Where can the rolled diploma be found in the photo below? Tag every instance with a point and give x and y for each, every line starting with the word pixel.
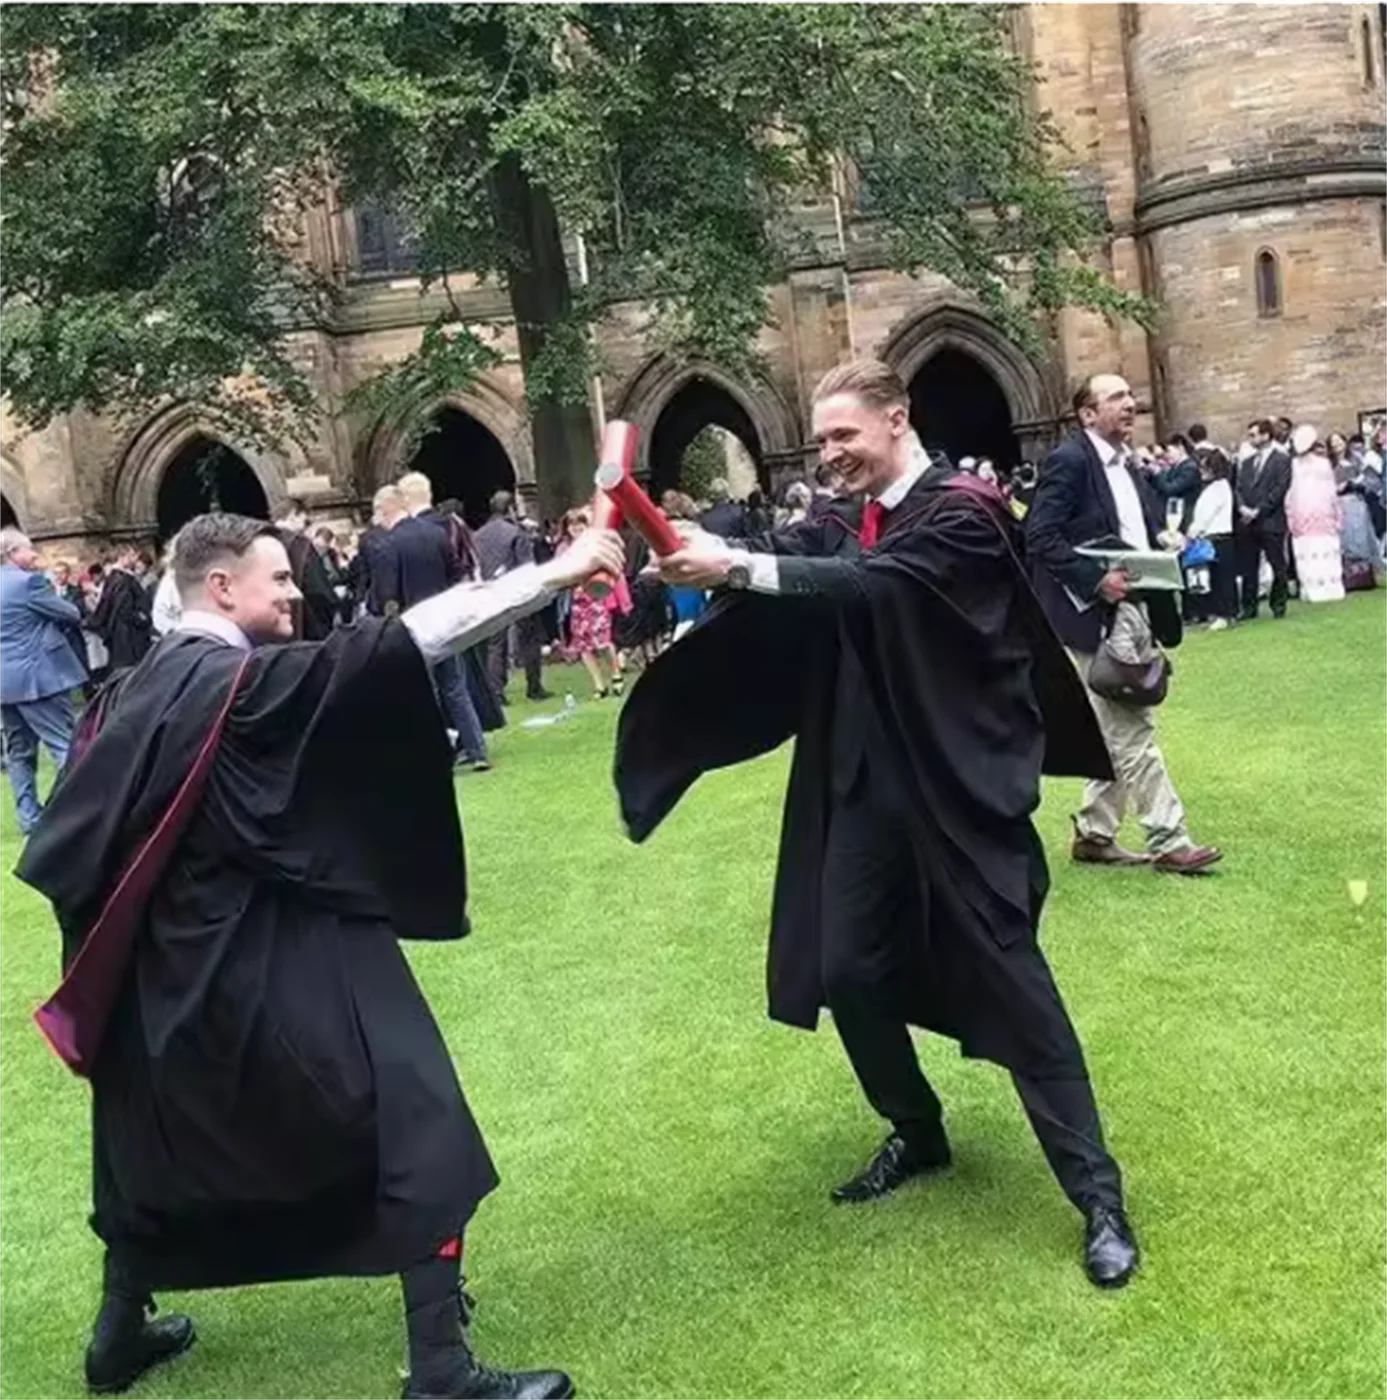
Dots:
pixel 649 520
pixel 619 440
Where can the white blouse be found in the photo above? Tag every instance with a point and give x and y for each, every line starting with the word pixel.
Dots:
pixel 1213 511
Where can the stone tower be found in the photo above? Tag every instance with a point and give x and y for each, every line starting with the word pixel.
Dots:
pixel 1259 216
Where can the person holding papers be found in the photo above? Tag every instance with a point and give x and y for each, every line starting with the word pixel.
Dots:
pixel 1090 498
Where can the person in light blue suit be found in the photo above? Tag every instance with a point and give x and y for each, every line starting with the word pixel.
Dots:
pixel 38 671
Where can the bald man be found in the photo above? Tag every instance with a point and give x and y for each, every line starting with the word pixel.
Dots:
pixel 1089 490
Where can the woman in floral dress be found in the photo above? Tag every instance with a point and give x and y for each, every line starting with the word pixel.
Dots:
pixel 590 620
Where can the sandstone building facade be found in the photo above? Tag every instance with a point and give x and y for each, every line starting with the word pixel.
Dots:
pixel 1236 153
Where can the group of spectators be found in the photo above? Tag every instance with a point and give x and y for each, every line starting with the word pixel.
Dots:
pixel 1287 510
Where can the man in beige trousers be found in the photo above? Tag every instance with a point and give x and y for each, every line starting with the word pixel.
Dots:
pixel 1088 490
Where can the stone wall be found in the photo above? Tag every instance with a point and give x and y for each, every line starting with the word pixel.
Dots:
pixel 1321 360
pixel 1202 134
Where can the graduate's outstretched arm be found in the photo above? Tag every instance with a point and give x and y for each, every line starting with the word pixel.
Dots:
pixel 468 613
pixel 709 562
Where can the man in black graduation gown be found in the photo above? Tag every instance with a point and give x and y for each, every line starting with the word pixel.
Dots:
pixel 121 617
pixel 271 1096
pixel 315 610
pixel 902 647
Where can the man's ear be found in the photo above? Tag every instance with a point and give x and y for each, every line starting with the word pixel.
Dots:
pixel 218 584
pixel 899 417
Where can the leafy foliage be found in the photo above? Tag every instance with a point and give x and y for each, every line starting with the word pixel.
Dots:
pixel 160 162
pixel 704 461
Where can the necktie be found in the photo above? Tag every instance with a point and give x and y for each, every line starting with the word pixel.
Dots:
pixel 873 513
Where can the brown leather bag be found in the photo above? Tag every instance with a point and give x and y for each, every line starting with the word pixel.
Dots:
pixel 1129 668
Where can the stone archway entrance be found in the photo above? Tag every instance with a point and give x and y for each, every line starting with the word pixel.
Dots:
pixel 672 400
pixel 958 407
pixel 177 465
pixel 465 461
pixel 699 404
pixel 974 384
pixel 8 515
pixel 206 475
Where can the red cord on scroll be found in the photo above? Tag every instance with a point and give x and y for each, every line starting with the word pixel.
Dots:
pixel 615 480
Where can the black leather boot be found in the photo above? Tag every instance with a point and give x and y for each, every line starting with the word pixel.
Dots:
pixel 126 1342
pixel 441 1363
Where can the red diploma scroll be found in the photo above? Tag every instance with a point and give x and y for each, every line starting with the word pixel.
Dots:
pixel 614 477
pixel 618 446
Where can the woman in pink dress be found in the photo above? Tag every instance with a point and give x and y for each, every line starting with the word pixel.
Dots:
pixel 1312 510
pixel 590 620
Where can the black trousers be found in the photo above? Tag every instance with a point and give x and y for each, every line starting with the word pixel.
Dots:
pixel 1254 541
pixel 869 873
pixel 1222 598
pixel 529 639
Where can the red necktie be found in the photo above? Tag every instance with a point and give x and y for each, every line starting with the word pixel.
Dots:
pixel 873 513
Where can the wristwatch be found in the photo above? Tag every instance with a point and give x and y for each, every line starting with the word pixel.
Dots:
pixel 739 575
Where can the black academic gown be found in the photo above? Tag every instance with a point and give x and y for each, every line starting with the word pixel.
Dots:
pixel 121 619
pixel 316 612
pixel 968 695
pixel 272 1098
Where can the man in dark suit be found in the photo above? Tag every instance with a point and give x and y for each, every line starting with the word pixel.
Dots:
pixel 1089 490
pixel 504 544
pixel 725 517
pixel 38 671
pixel 422 565
pixel 902 646
pixel 1263 481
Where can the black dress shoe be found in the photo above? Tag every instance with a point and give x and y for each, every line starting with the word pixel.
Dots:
pixel 895 1162
pixel 540 694
pixel 118 1357
pixel 1110 1248
pixel 467 1379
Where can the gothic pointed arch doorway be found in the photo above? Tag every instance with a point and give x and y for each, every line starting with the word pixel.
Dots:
pixel 975 392
pixel 206 475
pixel 697 405
pixel 958 407
pixel 464 461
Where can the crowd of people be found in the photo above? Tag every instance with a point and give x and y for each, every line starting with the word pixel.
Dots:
pixel 1288 511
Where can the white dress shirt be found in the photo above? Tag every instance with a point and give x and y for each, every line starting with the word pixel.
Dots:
pixel 764 569
pixel 1131 519
pixel 209 624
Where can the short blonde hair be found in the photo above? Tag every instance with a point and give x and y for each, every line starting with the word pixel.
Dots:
pixel 417 490
pixel 872 381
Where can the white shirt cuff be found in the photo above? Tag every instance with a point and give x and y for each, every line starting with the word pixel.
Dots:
pixel 764 570
pixel 468 613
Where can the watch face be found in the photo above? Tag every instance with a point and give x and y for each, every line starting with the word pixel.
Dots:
pixel 738 576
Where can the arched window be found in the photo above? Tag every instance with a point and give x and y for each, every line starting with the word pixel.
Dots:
pixel 1369 65
pixel 1267 272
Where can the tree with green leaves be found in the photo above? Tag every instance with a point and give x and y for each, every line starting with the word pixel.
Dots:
pixel 158 161
pixel 704 462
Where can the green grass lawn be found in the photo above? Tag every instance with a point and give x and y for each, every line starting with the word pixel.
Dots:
pixel 663 1227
